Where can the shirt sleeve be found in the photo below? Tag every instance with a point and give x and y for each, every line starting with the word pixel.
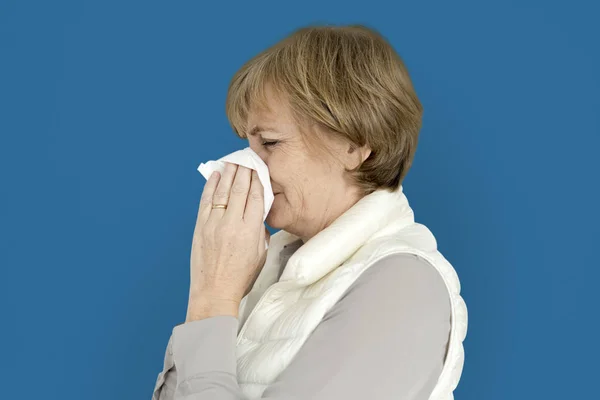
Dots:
pixel 385 338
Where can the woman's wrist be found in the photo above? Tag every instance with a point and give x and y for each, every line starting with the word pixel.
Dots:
pixel 205 306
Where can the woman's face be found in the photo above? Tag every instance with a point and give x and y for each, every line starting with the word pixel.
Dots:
pixel 310 191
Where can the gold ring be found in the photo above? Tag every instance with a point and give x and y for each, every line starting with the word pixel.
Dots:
pixel 224 206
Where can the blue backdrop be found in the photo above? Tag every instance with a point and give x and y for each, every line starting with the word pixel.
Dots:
pixel 108 107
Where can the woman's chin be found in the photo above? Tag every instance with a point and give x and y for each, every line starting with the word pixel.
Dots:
pixel 275 217
pixel 272 220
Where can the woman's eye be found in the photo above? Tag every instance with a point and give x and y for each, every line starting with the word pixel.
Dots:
pixel 273 143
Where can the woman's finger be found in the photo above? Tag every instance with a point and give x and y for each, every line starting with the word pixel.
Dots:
pixel 255 206
pixel 239 193
pixel 207 197
pixel 221 194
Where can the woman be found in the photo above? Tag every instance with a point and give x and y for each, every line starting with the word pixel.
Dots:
pixel 352 299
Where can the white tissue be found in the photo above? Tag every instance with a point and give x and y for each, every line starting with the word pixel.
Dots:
pixel 249 159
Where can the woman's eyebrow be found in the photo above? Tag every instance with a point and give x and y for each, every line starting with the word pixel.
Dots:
pixel 258 129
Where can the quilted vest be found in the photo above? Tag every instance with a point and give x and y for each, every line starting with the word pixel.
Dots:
pixel 284 307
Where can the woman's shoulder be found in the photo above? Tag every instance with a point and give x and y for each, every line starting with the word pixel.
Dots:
pixel 394 282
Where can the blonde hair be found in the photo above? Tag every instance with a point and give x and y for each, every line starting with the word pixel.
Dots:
pixel 347 80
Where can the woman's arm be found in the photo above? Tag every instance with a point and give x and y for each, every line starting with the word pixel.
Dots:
pixel 385 338
pixel 166 382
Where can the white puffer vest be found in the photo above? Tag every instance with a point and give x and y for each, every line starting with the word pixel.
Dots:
pixel 279 313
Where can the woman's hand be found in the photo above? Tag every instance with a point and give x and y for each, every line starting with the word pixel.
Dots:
pixel 228 247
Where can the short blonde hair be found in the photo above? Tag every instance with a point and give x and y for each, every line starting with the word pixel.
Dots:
pixel 349 81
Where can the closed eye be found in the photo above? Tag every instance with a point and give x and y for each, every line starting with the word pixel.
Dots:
pixel 272 143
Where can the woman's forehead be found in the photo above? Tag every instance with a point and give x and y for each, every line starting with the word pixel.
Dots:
pixel 275 120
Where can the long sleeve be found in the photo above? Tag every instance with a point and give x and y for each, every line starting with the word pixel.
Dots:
pixel 385 338
pixel 166 382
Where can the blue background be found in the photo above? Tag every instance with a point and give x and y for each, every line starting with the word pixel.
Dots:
pixel 108 107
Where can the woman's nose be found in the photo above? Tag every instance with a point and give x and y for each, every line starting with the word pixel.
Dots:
pixel 261 153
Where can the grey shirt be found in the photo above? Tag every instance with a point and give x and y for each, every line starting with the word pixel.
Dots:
pixel 386 338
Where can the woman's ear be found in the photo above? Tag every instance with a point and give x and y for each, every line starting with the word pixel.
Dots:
pixel 360 154
pixel 366 152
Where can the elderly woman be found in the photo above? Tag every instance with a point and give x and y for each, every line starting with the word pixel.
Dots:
pixel 351 300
